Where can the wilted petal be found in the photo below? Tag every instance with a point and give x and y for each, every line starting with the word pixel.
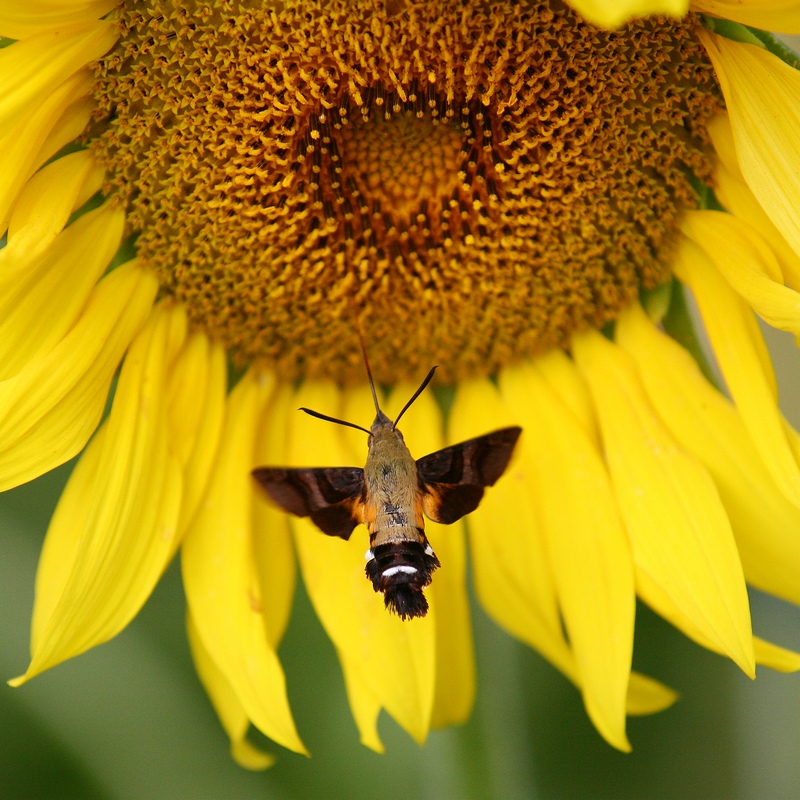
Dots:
pixel 683 548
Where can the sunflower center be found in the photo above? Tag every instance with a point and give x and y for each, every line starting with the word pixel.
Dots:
pixel 474 182
pixel 400 164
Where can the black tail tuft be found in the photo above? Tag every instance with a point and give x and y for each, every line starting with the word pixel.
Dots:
pixel 400 571
pixel 406 601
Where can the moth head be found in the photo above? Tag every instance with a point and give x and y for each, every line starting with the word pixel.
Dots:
pixel 383 427
pixel 380 426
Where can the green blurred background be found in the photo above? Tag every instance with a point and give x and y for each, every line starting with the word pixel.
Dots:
pixel 130 720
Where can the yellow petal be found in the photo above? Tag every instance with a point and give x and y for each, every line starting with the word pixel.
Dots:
pixel 19 20
pixel 721 133
pixel 423 430
pixel 648 696
pixel 558 369
pixel 735 195
pixel 230 711
pixel 747 262
pixel 510 562
pixel 37 135
pixel 364 704
pixel 391 660
pixel 683 547
pixel 113 531
pixel 614 13
pixel 766 525
pixel 781 16
pixel 39 306
pixel 70 124
pixel 60 549
pixel 588 548
pixel 50 409
pixel 334 577
pixel 44 206
pixel 776 657
pixel 32 68
pixel 272 538
pixel 220 575
pixel 196 409
pixel 761 94
pixel 744 361
pixel 455 660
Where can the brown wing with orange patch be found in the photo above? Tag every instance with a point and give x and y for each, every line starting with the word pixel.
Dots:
pixel 452 480
pixel 333 497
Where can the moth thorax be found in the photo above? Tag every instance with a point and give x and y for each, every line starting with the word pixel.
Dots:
pixel 400 571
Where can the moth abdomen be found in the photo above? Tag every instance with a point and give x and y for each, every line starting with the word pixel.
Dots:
pixel 400 570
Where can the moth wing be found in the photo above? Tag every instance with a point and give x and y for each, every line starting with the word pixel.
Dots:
pixel 453 479
pixel 332 497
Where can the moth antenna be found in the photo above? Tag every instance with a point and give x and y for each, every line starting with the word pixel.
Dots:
pixel 333 419
pixel 415 395
pixel 366 360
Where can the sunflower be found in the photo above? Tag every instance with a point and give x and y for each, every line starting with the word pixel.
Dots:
pixel 204 200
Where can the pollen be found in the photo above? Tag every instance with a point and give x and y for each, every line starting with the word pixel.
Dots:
pixel 473 183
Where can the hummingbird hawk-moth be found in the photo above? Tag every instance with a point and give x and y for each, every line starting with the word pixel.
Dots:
pixel 390 496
